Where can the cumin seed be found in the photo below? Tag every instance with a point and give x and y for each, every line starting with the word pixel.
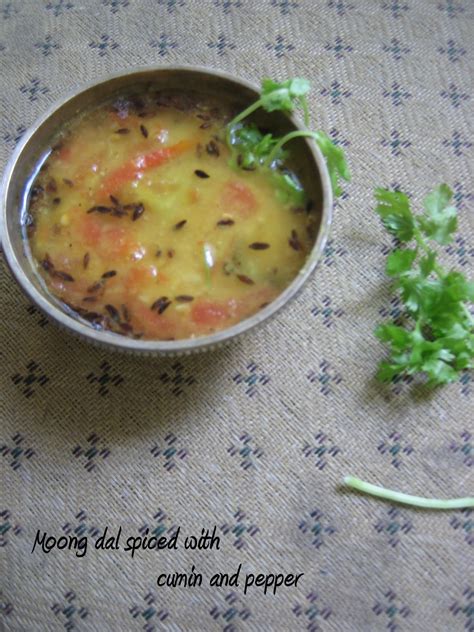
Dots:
pixel 245 279
pixel 113 312
pixel 184 298
pixel 85 260
pixel 64 276
pixel 99 209
pixel 180 224
pixel 51 187
pixel 294 241
pixel 138 212
pixel 212 148
pixel 95 287
pixel 94 317
pixel 122 130
pixel 144 131
pixel 109 274
pixel 161 304
pixel 125 313
pixel 47 264
pixel 201 174
pixel 259 245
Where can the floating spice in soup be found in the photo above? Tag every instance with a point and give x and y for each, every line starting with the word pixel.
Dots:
pixel 140 225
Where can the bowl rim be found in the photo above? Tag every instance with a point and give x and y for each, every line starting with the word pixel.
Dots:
pixel 184 345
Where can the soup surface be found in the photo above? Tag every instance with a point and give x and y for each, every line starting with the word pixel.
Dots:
pixel 138 223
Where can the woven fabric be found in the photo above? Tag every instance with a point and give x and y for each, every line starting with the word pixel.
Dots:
pixel 255 438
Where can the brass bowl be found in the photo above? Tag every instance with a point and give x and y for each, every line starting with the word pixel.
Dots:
pixel 307 160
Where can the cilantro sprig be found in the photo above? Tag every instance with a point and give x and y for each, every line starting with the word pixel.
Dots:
pixel 437 337
pixel 251 149
pixel 282 96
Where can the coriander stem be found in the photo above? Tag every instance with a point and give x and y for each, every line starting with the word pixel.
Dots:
pixel 407 499
pixel 421 241
pixel 251 108
pixel 297 134
pixel 304 105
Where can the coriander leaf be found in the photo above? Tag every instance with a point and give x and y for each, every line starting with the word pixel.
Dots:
pixel 414 289
pixel 439 220
pixel 283 96
pixel 388 371
pixel 458 287
pixel 289 189
pixel 335 161
pixel 299 87
pixel 398 337
pixel 460 342
pixel 250 147
pixel 400 261
pixel 439 371
pixel 444 304
pixel 427 264
pixel 394 210
pixel 439 342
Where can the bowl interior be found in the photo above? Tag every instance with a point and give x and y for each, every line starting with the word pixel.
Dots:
pixel 306 161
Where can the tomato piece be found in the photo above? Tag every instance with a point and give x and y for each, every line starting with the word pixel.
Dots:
pixel 237 197
pixel 91 230
pixel 64 153
pixel 130 170
pixel 117 242
pixel 152 324
pixel 139 277
pixel 210 313
pixel 193 195
pixel 111 240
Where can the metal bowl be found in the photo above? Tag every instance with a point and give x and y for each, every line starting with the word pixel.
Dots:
pixel 307 161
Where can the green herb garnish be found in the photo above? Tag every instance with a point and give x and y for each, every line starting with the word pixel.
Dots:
pixel 251 149
pixel 334 155
pixel 282 96
pixel 438 337
pixel 407 499
pixel 253 146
